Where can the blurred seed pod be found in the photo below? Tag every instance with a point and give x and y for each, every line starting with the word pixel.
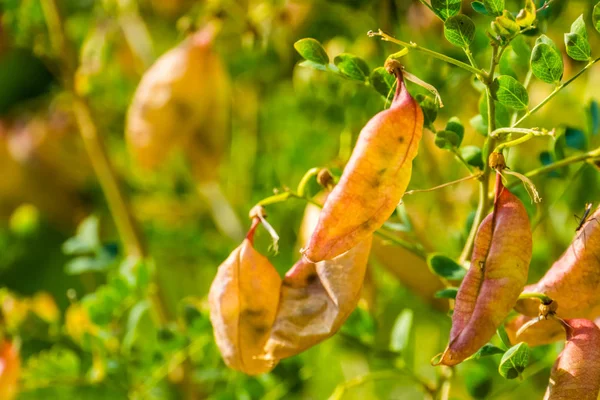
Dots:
pixel 182 102
pixel 10 370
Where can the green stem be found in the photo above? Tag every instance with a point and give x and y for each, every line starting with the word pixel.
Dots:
pixel 341 389
pixel 414 248
pixel 305 179
pixel 462 160
pixel 590 155
pixel 470 57
pixel 434 54
pixel 484 201
pixel 554 92
pixel 524 131
pixel 512 143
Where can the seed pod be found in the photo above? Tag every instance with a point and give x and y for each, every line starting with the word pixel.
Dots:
pixel 573 280
pixel 182 101
pixel 243 300
pixel 374 179
pixel 10 370
pixel 576 372
pixel 498 272
pixel 316 299
pixel 542 332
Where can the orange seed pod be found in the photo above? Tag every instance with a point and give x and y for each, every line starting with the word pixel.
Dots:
pixel 498 273
pixel 374 179
pixel 316 299
pixel 576 372
pixel 243 300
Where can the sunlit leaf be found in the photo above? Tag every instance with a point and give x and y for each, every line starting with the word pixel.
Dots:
pixel 459 30
pixel 352 66
pixel 546 61
pixel 445 8
pixel 514 361
pixel 311 50
pixel 511 93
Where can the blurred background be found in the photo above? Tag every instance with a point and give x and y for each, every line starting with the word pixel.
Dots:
pixel 190 188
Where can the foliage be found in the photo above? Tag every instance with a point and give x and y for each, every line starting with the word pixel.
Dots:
pixel 106 266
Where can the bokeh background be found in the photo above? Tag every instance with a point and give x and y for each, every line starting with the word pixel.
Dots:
pixel 284 119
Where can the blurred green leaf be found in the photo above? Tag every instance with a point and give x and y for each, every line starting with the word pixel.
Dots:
pixel 578 47
pixel 310 49
pixel 383 82
pixel 479 7
pixel 596 16
pixel 472 155
pixel 57 364
pixel 313 65
pixel 487 350
pixel 494 7
pixel 478 382
pixel 454 125
pixel 594 117
pixel 546 60
pixel 459 30
pixel 448 293
pixel 86 239
pixel 447 140
pixel 514 361
pixel 445 267
pixel 501 332
pixel 446 8
pixel 511 93
pixel 430 108
pixel 400 336
pixel 352 66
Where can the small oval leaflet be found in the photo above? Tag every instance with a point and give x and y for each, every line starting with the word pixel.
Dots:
pixel 310 49
pixel 445 267
pixel 514 361
pixel 459 30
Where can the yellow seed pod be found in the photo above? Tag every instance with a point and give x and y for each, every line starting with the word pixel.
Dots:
pixel 182 102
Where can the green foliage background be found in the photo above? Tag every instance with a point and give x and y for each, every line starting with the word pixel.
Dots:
pixel 285 120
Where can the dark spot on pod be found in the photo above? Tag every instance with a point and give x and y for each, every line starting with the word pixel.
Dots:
pixel 250 313
pixel 311 278
pixel 260 330
pixel 401 139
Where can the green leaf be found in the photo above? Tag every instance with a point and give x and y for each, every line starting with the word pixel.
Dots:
pixel 578 47
pixel 596 16
pixel 546 61
pixel 511 93
pixel 313 65
pixel 447 140
pixel 494 7
pixel 86 239
pixel 400 336
pixel 487 350
pixel 448 293
pixel 383 82
pixel 479 7
pixel 55 364
pixel 352 66
pixel 454 125
pixel 140 330
pixel 445 267
pixel 514 361
pixel 445 8
pixel 472 155
pixel 429 107
pixel 459 30
pixel 501 332
pixel 311 50
pixel 594 116
pixel 478 382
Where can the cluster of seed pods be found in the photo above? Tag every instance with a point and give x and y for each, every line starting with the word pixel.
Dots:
pixel 258 318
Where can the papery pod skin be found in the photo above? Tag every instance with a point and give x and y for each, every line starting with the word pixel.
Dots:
pixel 10 370
pixel 243 301
pixel 316 299
pixel 576 372
pixel 498 273
pixel 573 281
pixel 374 179
pixel 182 101
pixel 542 332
